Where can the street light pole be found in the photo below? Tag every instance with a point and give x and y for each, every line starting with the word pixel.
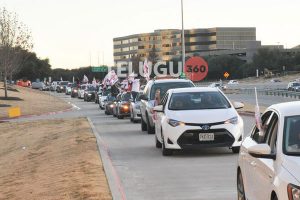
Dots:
pixel 182 37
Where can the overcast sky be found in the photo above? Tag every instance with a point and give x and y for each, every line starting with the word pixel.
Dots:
pixel 68 31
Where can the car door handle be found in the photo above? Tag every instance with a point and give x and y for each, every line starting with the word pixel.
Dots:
pixel 253 163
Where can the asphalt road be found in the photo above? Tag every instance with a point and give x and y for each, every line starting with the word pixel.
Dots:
pixel 144 173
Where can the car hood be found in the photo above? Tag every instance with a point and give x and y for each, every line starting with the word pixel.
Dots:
pixel 203 116
pixel 292 165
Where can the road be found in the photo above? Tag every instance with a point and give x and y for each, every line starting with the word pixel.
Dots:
pixel 208 174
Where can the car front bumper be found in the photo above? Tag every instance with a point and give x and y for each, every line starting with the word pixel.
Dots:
pixel 188 137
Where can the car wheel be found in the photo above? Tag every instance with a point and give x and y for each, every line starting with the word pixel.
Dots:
pixel 157 143
pixel 240 187
pixel 235 149
pixel 143 125
pixel 165 151
pixel 150 130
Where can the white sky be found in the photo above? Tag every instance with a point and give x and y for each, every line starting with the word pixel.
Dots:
pixel 69 31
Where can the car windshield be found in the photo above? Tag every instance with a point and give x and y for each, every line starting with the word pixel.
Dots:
pixel 91 88
pixel 106 92
pixel 291 144
pixel 111 98
pixel 64 83
pixel 164 87
pixel 296 84
pixel 198 101
pixel 126 96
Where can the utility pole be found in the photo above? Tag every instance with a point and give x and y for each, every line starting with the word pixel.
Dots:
pixel 182 37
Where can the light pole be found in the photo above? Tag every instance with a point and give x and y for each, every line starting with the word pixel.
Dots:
pixel 182 37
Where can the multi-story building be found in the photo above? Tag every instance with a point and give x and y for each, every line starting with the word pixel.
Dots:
pixel 167 43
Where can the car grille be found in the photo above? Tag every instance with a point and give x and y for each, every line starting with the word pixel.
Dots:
pixel 190 139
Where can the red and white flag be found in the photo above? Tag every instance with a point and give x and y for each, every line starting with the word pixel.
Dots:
pixel 146 70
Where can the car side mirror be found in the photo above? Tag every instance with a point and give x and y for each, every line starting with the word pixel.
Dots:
pixel 238 105
pixel 159 108
pixel 261 151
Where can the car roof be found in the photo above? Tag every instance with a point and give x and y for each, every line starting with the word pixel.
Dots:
pixel 287 108
pixel 194 89
pixel 170 80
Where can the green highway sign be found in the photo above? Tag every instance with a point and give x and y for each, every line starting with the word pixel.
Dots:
pixel 99 69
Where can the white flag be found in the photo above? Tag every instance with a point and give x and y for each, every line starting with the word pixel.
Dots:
pixel 85 79
pixel 257 114
pixel 146 70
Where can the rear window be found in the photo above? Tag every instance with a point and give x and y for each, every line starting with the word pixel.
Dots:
pixel 126 97
pixel 198 101
pixel 164 87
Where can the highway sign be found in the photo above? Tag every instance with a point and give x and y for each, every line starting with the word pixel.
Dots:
pixel 196 68
pixel 99 69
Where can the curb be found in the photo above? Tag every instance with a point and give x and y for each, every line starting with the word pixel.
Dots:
pixel 113 178
pixel 4 119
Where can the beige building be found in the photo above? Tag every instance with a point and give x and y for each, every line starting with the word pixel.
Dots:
pixel 167 43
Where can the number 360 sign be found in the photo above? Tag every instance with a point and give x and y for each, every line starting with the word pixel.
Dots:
pixel 196 68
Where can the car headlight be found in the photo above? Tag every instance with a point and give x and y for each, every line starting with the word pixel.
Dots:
pixel 125 107
pixel 175 123
pixel 233 120
pixel 293 192
pixel 111 105
pixel 89 94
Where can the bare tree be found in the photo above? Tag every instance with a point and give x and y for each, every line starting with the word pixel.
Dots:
pixel 15 39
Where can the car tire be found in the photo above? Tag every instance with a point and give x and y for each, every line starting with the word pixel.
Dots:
pixel 235 149
pixel 157 143
pixel 240 186
pixel 143 125
pixel 165 151
pixel 150 130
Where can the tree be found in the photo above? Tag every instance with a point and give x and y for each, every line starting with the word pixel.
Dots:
pixel 15 38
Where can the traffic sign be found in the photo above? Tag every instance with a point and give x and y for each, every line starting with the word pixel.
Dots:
pixel 196 68
pixel 99 69
pixel 226 75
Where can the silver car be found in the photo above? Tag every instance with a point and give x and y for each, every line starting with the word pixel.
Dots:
pixel 135 111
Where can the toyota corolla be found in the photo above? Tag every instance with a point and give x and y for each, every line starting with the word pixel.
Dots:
pixel 197 118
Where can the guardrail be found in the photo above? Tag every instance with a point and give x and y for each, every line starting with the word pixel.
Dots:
pixel 270 92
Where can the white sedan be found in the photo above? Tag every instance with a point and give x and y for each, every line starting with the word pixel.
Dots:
pixel 197 118
pixel 269 159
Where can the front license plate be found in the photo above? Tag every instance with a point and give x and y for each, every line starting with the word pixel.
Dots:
pixel 206 136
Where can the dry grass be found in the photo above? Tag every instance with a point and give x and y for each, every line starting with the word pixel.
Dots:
pixel 53 159
pixel 32 102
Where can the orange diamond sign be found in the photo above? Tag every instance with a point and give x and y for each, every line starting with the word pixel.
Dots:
pixel 226 74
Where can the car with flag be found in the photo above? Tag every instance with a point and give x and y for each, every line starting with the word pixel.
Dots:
pixel 89 93
pixel 121 109
pixel 269 159
pixel 135 111
pixel 153 92
pixel 81 90
pixel 197 117
pixel 110 104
